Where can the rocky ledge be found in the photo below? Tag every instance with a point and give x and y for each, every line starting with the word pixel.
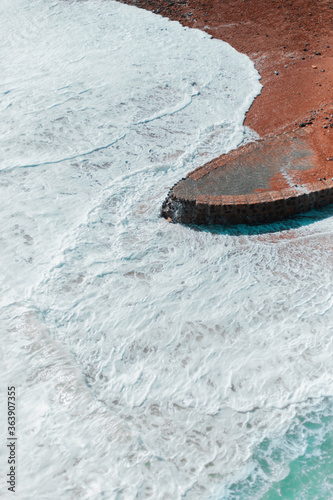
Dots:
pixel 272 179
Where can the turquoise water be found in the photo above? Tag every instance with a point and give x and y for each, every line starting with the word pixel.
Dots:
pixel 298 465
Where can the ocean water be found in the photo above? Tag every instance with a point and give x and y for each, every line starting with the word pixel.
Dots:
pixel 150 360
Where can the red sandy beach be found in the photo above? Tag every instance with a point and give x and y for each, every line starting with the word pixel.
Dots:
pixel 288 37
pixel 290 44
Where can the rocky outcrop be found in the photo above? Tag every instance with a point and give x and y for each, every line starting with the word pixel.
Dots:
pixel 268 180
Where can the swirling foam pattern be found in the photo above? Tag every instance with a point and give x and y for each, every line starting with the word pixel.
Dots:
pixel 150 360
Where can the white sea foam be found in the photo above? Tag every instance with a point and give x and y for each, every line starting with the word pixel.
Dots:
pixel 150 359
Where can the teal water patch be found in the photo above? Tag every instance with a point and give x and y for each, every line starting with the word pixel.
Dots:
pixel 298 465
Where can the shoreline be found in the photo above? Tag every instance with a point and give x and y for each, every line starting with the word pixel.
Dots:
pixel 288 39
pixel 290 46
